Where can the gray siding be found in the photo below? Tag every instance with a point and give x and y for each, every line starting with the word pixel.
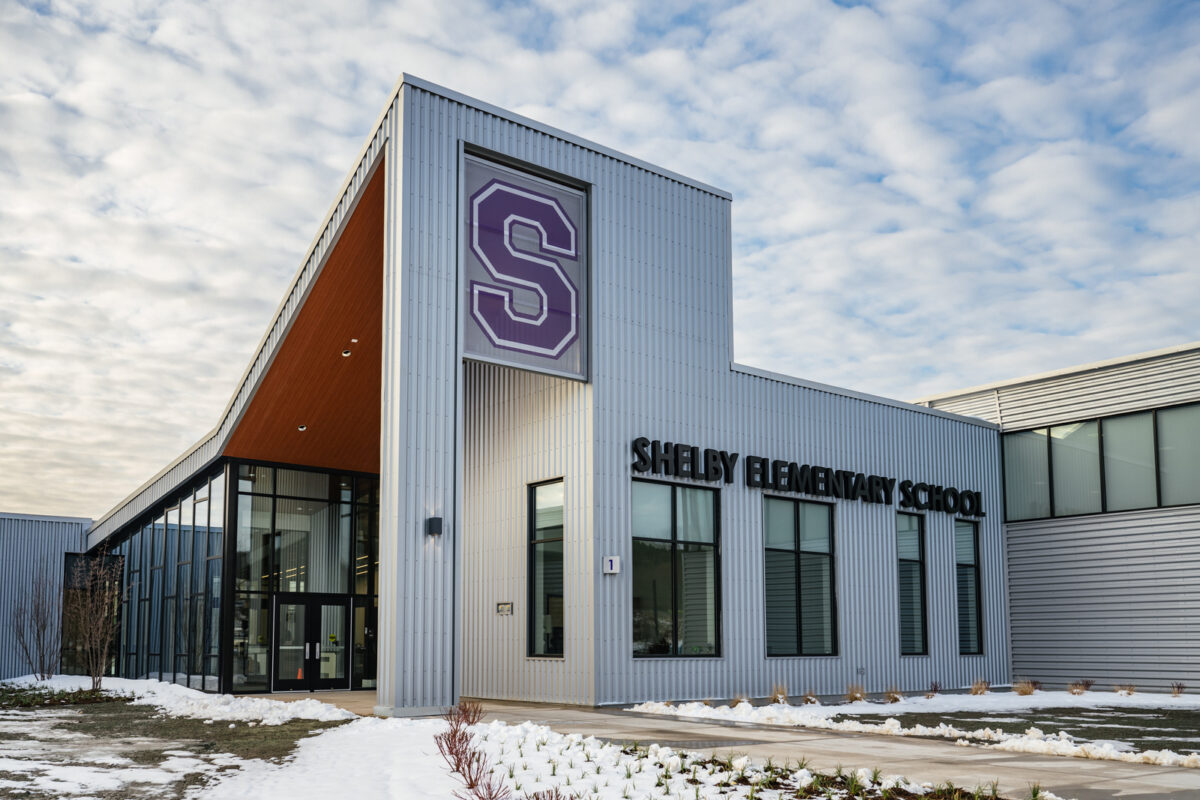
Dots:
pixel 662 347
pixel 25 541
pixel 1084 393
pixel 1112 598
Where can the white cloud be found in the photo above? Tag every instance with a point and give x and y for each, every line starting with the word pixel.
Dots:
pixel 943 193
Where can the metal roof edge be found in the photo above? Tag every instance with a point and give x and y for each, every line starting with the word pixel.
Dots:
pixel 1095 366
pixel 45 518
pixel 458 97
pixel 870 398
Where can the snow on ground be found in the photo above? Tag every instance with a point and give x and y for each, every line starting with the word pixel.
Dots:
pixel 367 759
pixel 179 701
pixel 1033 740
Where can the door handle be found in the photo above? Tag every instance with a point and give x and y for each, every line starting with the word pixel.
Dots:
pixel 306 650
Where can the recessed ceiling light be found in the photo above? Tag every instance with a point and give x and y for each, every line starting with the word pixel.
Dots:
pixel 301 428
pixel 345 354
pixel 354 341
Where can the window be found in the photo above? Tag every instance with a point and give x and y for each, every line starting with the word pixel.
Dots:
pixel 1179 454
pixel 675 588
pixel 799 578
pixel 910 550
pixel 1129 480
pixel 1026 475
pixel 970 613
pixel 546 569
pixel 1075 460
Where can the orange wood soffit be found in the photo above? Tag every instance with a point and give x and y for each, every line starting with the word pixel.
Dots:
pixel 310 382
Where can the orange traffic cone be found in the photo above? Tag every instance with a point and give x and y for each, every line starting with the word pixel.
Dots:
pixel 300 674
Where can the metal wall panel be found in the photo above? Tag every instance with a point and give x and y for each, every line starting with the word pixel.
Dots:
pixel 209 448
pixel 26 540
pixel 1084 393
pixel 1112 598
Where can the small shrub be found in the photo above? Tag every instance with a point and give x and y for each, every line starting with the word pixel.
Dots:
pixel 980 687
pixel 1035 791
pixel 934 688
pixel 1125 689
pixel 739 699
pixel 855 692
pixel 779 693
pixel 1079 687
pixel 810 698
pixel 1178 688
pixel 894 695
pixel 1024 688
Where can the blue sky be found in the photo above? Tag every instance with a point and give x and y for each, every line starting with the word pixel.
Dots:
pixel 928 195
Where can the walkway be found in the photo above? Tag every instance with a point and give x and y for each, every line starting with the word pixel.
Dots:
pixel 923 760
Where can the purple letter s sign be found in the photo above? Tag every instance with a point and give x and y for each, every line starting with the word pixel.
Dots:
pixel 526 270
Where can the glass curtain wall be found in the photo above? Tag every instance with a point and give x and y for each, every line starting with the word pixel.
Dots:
pixel 302 532
pixel 170 617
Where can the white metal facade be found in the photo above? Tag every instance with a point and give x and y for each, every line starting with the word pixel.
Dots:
pixel 463 442
pixel 1109 597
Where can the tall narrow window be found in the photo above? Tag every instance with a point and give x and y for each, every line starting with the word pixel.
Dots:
pixel 910 550
pixel 800 603
pixel 966 556
pixel 1179 454
pixel 546 569
pixel 1075 461
pixel 1026 475
pixel 1129 480
pixel 675 541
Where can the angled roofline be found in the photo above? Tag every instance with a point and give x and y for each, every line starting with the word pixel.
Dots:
pixel 1095 366
pixel 210 446
pixel 870 398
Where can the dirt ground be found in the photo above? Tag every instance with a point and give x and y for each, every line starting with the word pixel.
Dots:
pixel 122 751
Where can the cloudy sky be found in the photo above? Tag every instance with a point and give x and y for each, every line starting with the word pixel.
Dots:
pixel 928 195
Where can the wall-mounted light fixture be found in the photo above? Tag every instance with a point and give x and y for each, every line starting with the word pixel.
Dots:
pixel 302 428
pixel 345 354
pixel 433 526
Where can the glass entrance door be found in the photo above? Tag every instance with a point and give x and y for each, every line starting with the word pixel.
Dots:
pixel 311 642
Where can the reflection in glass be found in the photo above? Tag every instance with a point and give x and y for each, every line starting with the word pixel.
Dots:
pixel 910 549
pixel 251 642
pixel 332 643
pixel 313 545
pixel 651 510
pixel 546 621
pixel 291 634
pixel 966 549
pixel 1129 462
pixel 696 598
pixel 781 620
pixel 254 544
pixel 1179 454
pixel 1026 475
pixel 653 615
pixel 1075 454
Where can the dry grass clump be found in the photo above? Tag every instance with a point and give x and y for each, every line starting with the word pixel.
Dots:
pixel 894 695
pixel 934 688
pixel 855 692
pixel 810 698
pixel 1079 687
pixel 1178 688
pixel 706 702
pixel 1124 689
pixel 779 693
pixel 1025 687
pixel 738 699
pixel 980 687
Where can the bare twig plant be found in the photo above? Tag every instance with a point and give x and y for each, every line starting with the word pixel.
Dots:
pixel 894 695
pixel 1178 688
pixel 36 620
pixel 1079 687
pixel 1125 689
pixel 472 765
pixel 91 606
pixel 934 688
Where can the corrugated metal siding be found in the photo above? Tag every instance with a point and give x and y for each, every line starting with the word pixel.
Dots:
pixel 24 541
pixel 1116 389
pixel 209 448
pixel 1113 598
pixel 752 415
pixel 523 428
pixel 662 333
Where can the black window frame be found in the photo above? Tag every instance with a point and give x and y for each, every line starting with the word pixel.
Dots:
pixel 835 637
pixel 1100 420
pixel 978 588
pixel 718 634
pixel 532 543
pixel 923 565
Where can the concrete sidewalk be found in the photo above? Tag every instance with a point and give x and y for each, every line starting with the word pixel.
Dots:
pixel 922 760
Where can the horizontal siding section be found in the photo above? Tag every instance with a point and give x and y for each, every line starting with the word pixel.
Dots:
pixel 209 448
pixel 25 542
pixel 1111 598
pixel 1116 389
